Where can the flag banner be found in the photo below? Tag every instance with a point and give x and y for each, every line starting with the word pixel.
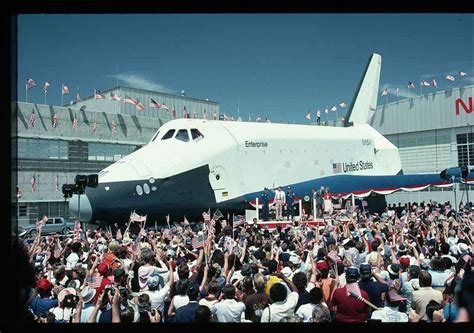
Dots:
pixel 140 106
pixel 334 108
pixel 334 257
pixel 174 113
pixel 268 120
pixel 167 234
pixel 239 119
pixel 259 119
pixel 336 167
pixel 434 84
pixel 398 92
pixel 204 115
pixel 32 119
pixel 214 116
pixel 168 220
pixel 56 183
pixel 46 86
pixel 326 110
pixel 411 85
pixel 462 74
pixel 57 252
pixel 94 126
pixel 118 235
pixel 425 83
pixel 154 104
pixel 195 115
pixel 186 222
pixel 385 92
pixel 78 97
pixel 308 115
pixel 239 220
pixel 134 217
pixel 33 183
pixel 232 118
pixel 114 97
pixel 30 84
pixel 206 217
pixel 99 95
pixel 55 120
pixel 130 100
pixel 449 77
pixel 165 107
pixel 343 104
pixel 77 225
pixel 65 90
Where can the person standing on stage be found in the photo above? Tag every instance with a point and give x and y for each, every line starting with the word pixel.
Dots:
pixel 265 200
pixel 279 202
pixel 290 209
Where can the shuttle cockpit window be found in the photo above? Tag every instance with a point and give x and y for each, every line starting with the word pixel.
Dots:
pixel 182 135
pixel 168 135
pixel 156 135
pixel 196 135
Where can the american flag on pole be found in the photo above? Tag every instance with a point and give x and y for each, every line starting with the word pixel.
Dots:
pixel 185 113
pixel 174 112
pixel 334 108
pixel 334 257
pixel 99 95
pixel 434 84
pixel 118 235
pixel 75 123
pixel 195 115
pixel 462 73
pixel 30 84
pixel 55 121
pixel 411 85
pixel 94 125
pixel 450 77
pixel 268 120
pixel 94 281
pixel 114 97
pixel 326 110
pixel 33 183
pixel 398 92
pixel 56 183
pixel 78 97
pixel 46 86
pixel 239 220
pixel 232 118
pixel 425 83
pixel 165 107
pixel 214 116
pixel 308 115
pixel 336 168
pixel 32 119
pixel 114 127
pixel 259 119
pixel 206 217
pixel 130 100
pixel 154 104
pixel 167 234
pixel 186 222
pixel 239 119
pixel 140 106
pixel 343 104
pixel 217 215
pixel 204 114
pixel 65 90
pixel 42 222
pixel 385 92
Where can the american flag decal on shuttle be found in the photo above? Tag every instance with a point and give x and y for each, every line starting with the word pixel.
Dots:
pixel 336 168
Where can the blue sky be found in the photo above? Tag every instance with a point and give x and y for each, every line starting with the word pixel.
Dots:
pixel 269 65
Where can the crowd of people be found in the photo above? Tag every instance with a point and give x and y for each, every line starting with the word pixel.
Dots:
pixel 406 265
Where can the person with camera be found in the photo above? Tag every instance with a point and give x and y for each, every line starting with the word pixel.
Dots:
pixel 66 309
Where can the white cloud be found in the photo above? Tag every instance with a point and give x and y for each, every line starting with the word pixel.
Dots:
pixel 134 80
pixel 404 92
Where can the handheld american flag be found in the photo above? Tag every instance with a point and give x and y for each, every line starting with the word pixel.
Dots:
pixel 239 220
pixel 206 217
pixel 198 242
pixel 94 281
pixel 217 215
pixel 134 217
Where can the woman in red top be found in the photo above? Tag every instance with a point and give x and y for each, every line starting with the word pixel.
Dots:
pixel 348 308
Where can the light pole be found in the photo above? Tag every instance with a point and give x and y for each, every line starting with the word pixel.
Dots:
pixel 18 196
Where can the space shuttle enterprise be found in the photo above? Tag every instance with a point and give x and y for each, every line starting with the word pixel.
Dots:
pixel 190 165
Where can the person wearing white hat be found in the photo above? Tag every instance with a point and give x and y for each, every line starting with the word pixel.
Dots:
pixel 87 294
pixel 63 313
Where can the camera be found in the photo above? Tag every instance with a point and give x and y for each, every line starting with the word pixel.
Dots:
pixel 110 290
pixel 70 300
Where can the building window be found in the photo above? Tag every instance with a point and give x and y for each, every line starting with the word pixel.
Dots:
pixel 465 145
pixel 108 152
pixel 42 149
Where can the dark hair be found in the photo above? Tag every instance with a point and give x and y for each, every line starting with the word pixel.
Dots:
pixel 272 266
pixel 213 288
pixel 300 280
pixel 431 307
pixel 437 264
pixel 425 279
pixel 465 294
pixel 182 286
pixel 278 292
pixel 316 295
pixel 202 314
pixel 193 293
pixel 127 315
pixel 183 270
pixel 444 248
pixel 229 291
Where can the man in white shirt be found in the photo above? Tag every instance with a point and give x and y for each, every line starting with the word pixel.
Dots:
pixel 228 310
pixel 279 202
pixel 157 297
pixel 391 313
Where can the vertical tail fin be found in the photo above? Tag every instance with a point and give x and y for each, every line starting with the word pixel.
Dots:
pixel 367 93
